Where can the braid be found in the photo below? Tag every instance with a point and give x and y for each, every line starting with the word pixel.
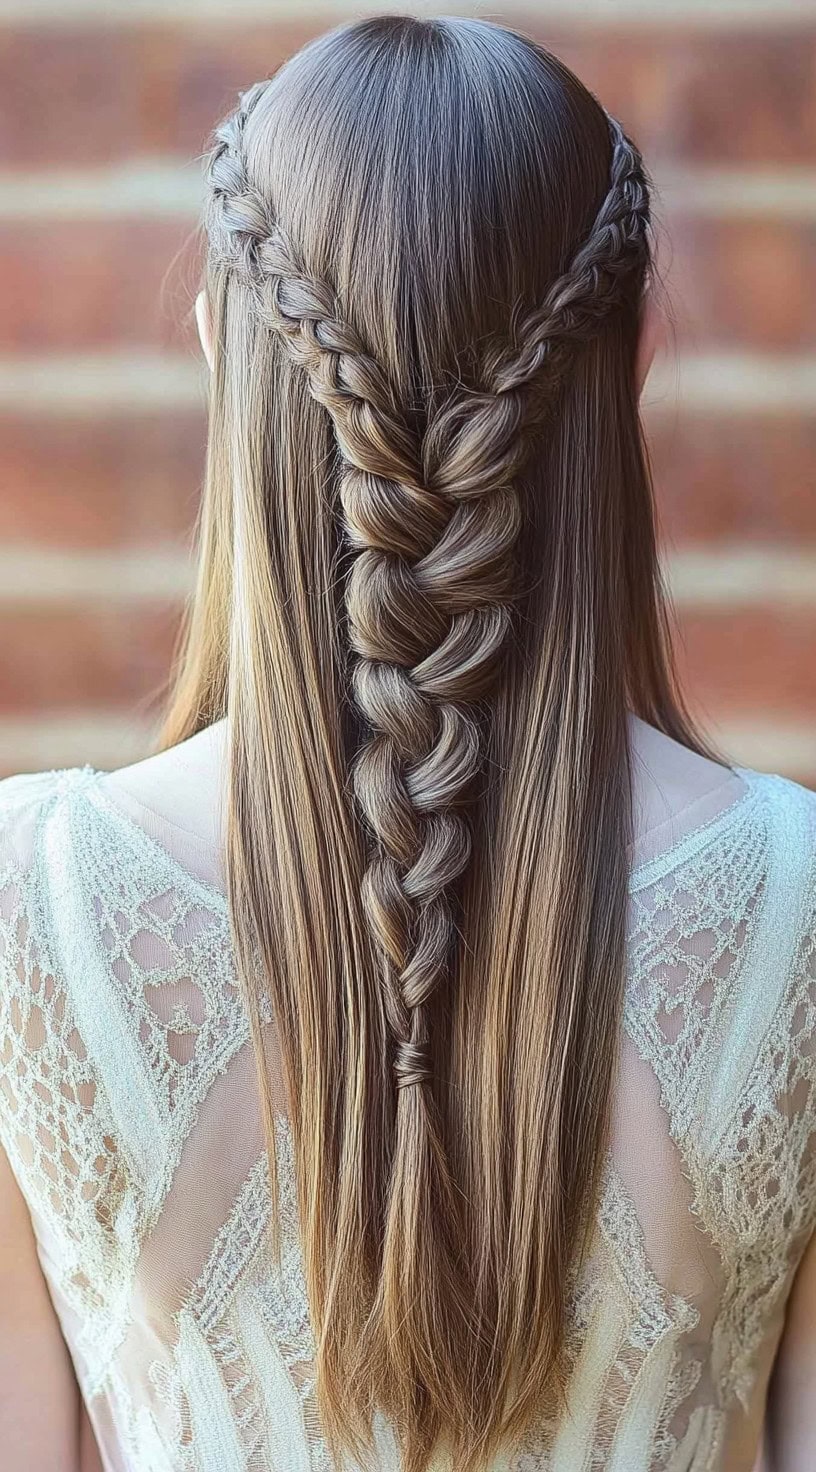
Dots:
pixel 433 519
pixel 589 289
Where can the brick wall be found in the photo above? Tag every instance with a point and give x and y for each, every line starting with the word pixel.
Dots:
pixel 105 107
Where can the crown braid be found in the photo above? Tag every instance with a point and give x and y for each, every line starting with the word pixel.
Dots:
pixel 433 518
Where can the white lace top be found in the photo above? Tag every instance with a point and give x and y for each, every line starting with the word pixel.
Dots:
pixel 129 1113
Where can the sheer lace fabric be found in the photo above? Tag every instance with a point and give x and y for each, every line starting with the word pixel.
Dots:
pixel 129 1112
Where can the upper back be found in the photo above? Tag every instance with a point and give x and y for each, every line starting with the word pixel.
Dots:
pixel 129 1112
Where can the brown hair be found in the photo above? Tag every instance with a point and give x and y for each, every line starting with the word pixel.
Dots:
pixel 428 561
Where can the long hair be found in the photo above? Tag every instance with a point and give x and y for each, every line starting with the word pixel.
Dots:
pixel 428 600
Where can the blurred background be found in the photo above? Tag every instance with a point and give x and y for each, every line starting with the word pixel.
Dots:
pixel 105 107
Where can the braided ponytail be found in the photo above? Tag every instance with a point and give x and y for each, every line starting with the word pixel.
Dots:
pixel 433 521
pixel 440 1309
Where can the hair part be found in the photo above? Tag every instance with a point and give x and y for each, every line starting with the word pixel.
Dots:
pixel 428 599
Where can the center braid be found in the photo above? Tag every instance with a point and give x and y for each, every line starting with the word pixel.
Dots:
pixel 433 519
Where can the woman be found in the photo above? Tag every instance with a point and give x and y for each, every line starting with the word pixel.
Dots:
pixel 512 976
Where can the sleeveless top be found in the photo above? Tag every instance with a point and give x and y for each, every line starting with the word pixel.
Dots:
pixel 129 1113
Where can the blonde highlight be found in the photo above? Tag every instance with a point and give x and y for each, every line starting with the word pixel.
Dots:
pixel 429 780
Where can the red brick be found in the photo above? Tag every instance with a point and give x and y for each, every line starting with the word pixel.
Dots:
pixel 750 661
pixel 740 479
pixel 743 282
pixel 69 657
pixel 718 94
pixel 97 283
pixel 130 480
pixel 89 94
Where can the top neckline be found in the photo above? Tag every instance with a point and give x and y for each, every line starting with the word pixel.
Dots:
pixel 151 848
pixel 641 875
pixel 700 835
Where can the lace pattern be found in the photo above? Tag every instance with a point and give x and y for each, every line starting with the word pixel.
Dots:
pixel 121 1020
pixel 728 1028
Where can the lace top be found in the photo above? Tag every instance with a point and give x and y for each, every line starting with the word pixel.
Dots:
pixel 129 1113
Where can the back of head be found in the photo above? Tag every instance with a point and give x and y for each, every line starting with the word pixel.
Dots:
pixel 427 600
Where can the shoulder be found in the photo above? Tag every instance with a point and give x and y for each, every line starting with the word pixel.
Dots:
pixel 24 795
pixel 667 776
pixel 774 1017
pixel 41 845
pixel 178 790
pixel 677 791
pixel 60 1142
pixel 773 1010
pixel 33 847
pixel 791 798
pixel 722 1004
pixel 787 810
pixel 736 880
pixel 25 802
pixel 782 833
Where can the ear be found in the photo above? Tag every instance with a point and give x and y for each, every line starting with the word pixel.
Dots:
pixel 652 338
pixel 204 323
